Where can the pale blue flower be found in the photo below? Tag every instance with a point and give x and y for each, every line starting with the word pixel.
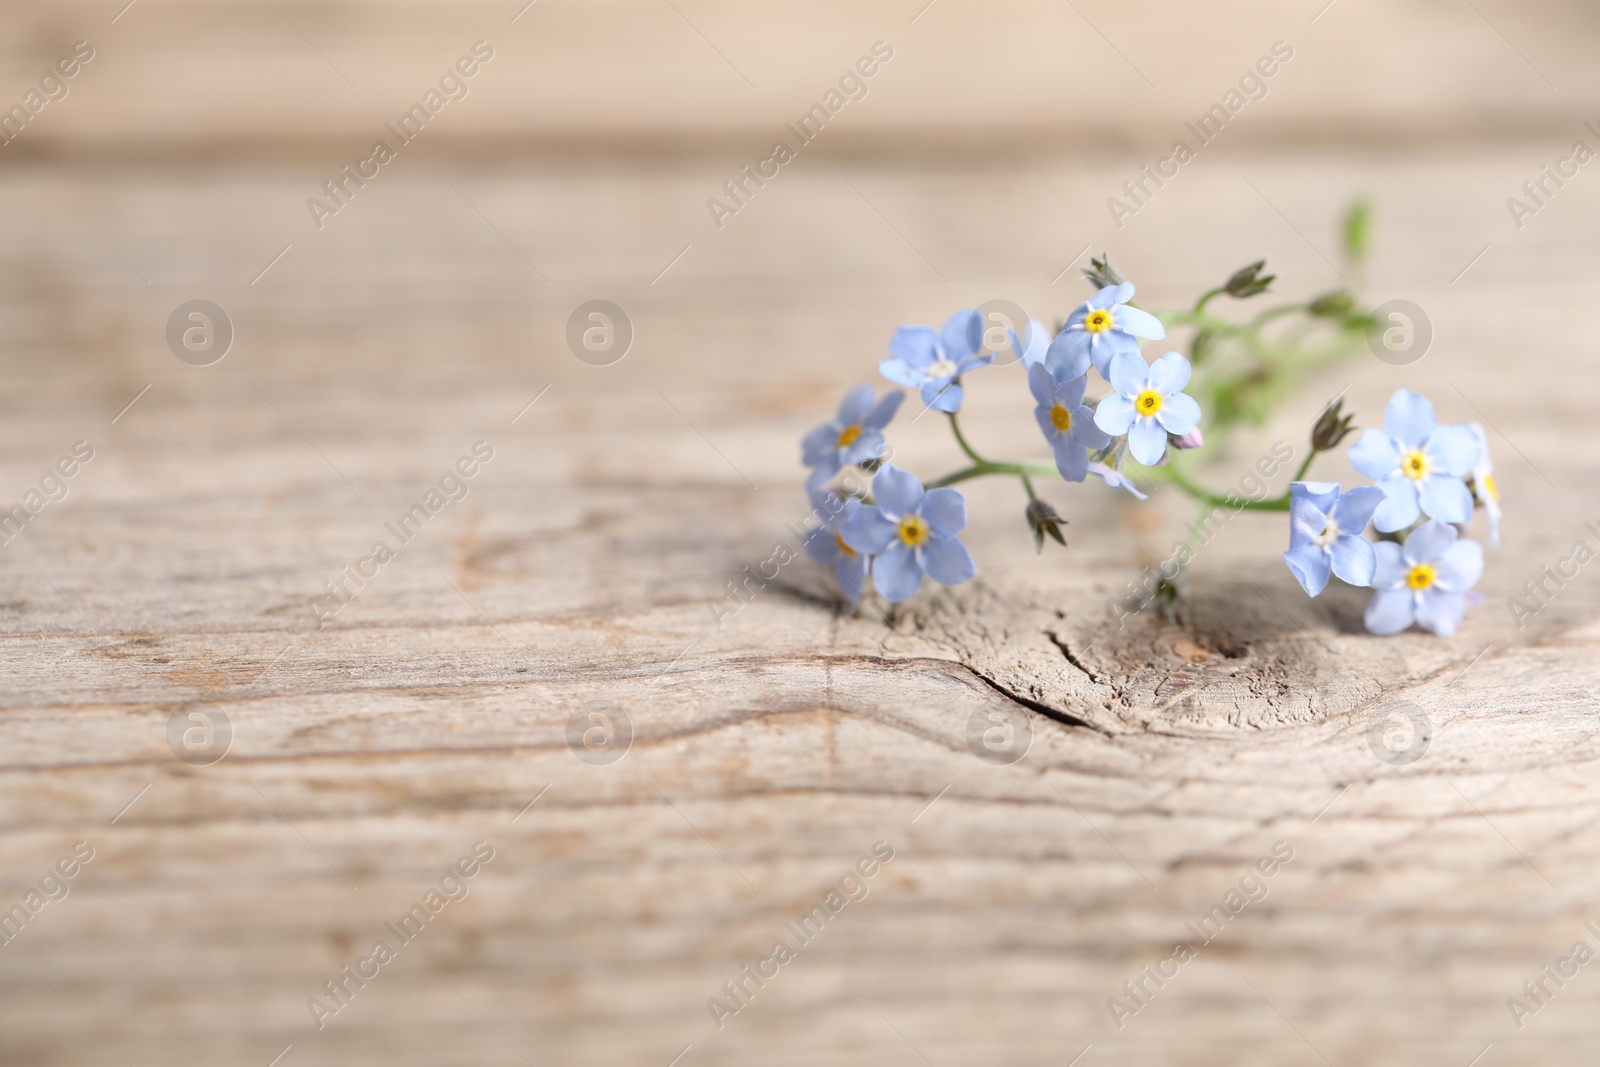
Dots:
pixel 1148 403
pixel 1101 327
pixel 824 544
pixel 1035 346
pixel 1325 527
pixel 853 436
pixel 1065 421
pixel 933 361
pixel 1115 479
pixel 1423 581
pixel 910 533
pixel 1484 489
pixel 1418 464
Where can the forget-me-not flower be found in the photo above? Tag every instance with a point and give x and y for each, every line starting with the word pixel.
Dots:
pixel 909 532
pixel 1325 527
pixel 1483 486
pixel 854 435
pixel 1066 422
pixel 1417 463
pixel 824 544
pixel 1423 581
pixel 1115 479
pixel 1148 403
pixel 933 361
pixel 1101 327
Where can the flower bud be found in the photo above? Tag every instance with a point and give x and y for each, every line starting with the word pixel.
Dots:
pixel 1247 281
pixel 1044 520
pixel 1101 273
pixel 1334 305
pixel 1193 439
pixel 1331 427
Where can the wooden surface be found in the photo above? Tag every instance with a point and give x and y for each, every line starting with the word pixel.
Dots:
pixel 580 572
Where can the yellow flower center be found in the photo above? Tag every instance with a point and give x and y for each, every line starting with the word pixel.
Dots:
pixel 913 530
pixel 848 436
pixel 1098 321
pixel 1148 402
pixel 844 547
pixel 1420 576
pixel 1061 418
pixel 1490 491
pixel 1414 465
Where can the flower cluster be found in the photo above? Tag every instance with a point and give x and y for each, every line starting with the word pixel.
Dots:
pixel 1427 479
pixel 903 531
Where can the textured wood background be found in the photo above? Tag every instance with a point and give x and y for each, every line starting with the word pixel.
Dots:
pixel 580 572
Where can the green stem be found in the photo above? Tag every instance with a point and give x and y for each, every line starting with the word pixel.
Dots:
pixel 1177 477
pixel 955 428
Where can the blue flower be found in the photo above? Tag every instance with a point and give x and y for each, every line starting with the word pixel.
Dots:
pixel 1067 424
pixel 854 435
pixel 910 533
pixel 1417 463
pixel 1038 344
pixel 934 361
pixel 1484 489
pixel 1325 527
pixel 824 544
pixel 1148 404
pixel 1423 581
pixel 1101 327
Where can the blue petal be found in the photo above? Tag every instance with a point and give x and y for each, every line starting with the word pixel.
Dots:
pixel 1324 496
pixel 1072 459
pixel 1047 426
pixel 942 397
pixel 851 574
pixel 1307 518
pixel 1112 295
pixel 900 372
pixel 1042 385
pixel 1459 567
pixel 947 560
pixel 1106 347
pixel 884 413
pixel 1392 566
pixel 868 446
pixel 1169 374
pixel 822 545
pixel 1129 374
pixel 855 405
pixel 1147 441
pixel 1455 449
pixel 1399 508
pixel 1115 479
pixel 1375 455
pixel 1409 418
pixel 946 511
pixel 819 444
pixel 1354 509
pixel 1440 611
pixel 1309 565
pixel 1179 413
pixel 1115 414
pixel 1071 390
pixel 868 531
pixel 1390 611
pixel 962 333
pixel 897 572
pixel 1354 560
pixel 1084 430
pixel 1080 313
pixel 1428 542
pixel 1447 498
pixel 1140 323
pixel 896 492
pixel 918 346
pixel 1068 355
